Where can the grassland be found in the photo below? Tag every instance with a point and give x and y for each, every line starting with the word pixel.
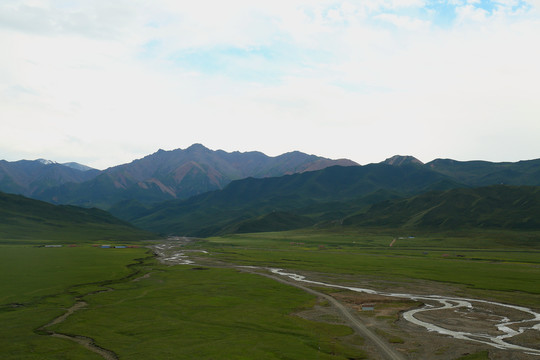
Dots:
pixel 183 313
pixel 208 312
pixel 38 284
pixel 480 263
pixel 172 312
pixel 30 273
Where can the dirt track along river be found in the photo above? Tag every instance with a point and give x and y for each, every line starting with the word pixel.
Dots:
pixel 386 351
pixel 503 329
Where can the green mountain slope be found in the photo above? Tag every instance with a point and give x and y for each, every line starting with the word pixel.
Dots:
pixel 24 218
pixel 497 206
pixel 274 221
pixel 484 173
pixel 327 194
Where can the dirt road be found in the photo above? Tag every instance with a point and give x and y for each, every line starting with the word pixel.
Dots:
pixel 385 350
pixel 168 253
pixel 501 326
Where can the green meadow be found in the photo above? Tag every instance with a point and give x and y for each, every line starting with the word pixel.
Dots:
pixel 173 312
pixel 30 273
pixel 185 313
pixel 211 311
pixel 481 263
pixel 38 284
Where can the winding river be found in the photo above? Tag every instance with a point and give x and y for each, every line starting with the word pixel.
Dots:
pixel 504 328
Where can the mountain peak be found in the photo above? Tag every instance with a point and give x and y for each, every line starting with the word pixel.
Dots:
pixel 197 146
pixel 78 166
pixel 72 165
pixel 399 160
pixel 46 162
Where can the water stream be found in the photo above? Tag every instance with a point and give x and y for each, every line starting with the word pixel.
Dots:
pixel 506 328
pixel 447 302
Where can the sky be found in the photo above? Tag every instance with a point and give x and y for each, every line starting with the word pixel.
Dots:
pixel 105 82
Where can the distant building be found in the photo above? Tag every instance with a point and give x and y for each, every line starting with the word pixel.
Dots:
pixel 53 246
pixel 105 246
pixel 368 307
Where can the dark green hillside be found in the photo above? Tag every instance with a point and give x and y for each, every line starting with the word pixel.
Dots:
pixel 274 221
pixel 334 184
pixel 324 195
pixel 498 206
pixel 23 218
pixel 484 173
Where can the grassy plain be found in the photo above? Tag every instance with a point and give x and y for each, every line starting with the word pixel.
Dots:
pixel 211 312
pixel 185 313
pixel 38 284
pixel 27 274
pixel 506 264
pixel 483 355
pixel 173 312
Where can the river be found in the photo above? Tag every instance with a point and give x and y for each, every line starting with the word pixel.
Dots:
pixel 504 329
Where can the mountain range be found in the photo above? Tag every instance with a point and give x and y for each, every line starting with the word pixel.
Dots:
pixel 31 178
pixel 164 175
pixel 334 195
pixel 201 192
pixel 327 194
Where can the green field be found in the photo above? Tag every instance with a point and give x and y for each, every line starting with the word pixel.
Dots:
pixel 37 284
pixel 478 262
pixel 213 311
pixel 183 313
pixel 175 312
pixel 30 273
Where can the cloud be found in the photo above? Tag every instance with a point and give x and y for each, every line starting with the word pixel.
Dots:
pixel 98 19
pixel 467 13
pixel 359 79
pixel 404 22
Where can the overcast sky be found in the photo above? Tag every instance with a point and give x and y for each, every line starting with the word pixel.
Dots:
pixel 105 82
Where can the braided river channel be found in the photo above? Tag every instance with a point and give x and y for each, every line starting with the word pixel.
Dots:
pixel 496 330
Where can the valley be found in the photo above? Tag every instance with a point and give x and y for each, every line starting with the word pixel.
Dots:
pixel 395 260
pixel 503 326
pixel 270 180
pixel 221 289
